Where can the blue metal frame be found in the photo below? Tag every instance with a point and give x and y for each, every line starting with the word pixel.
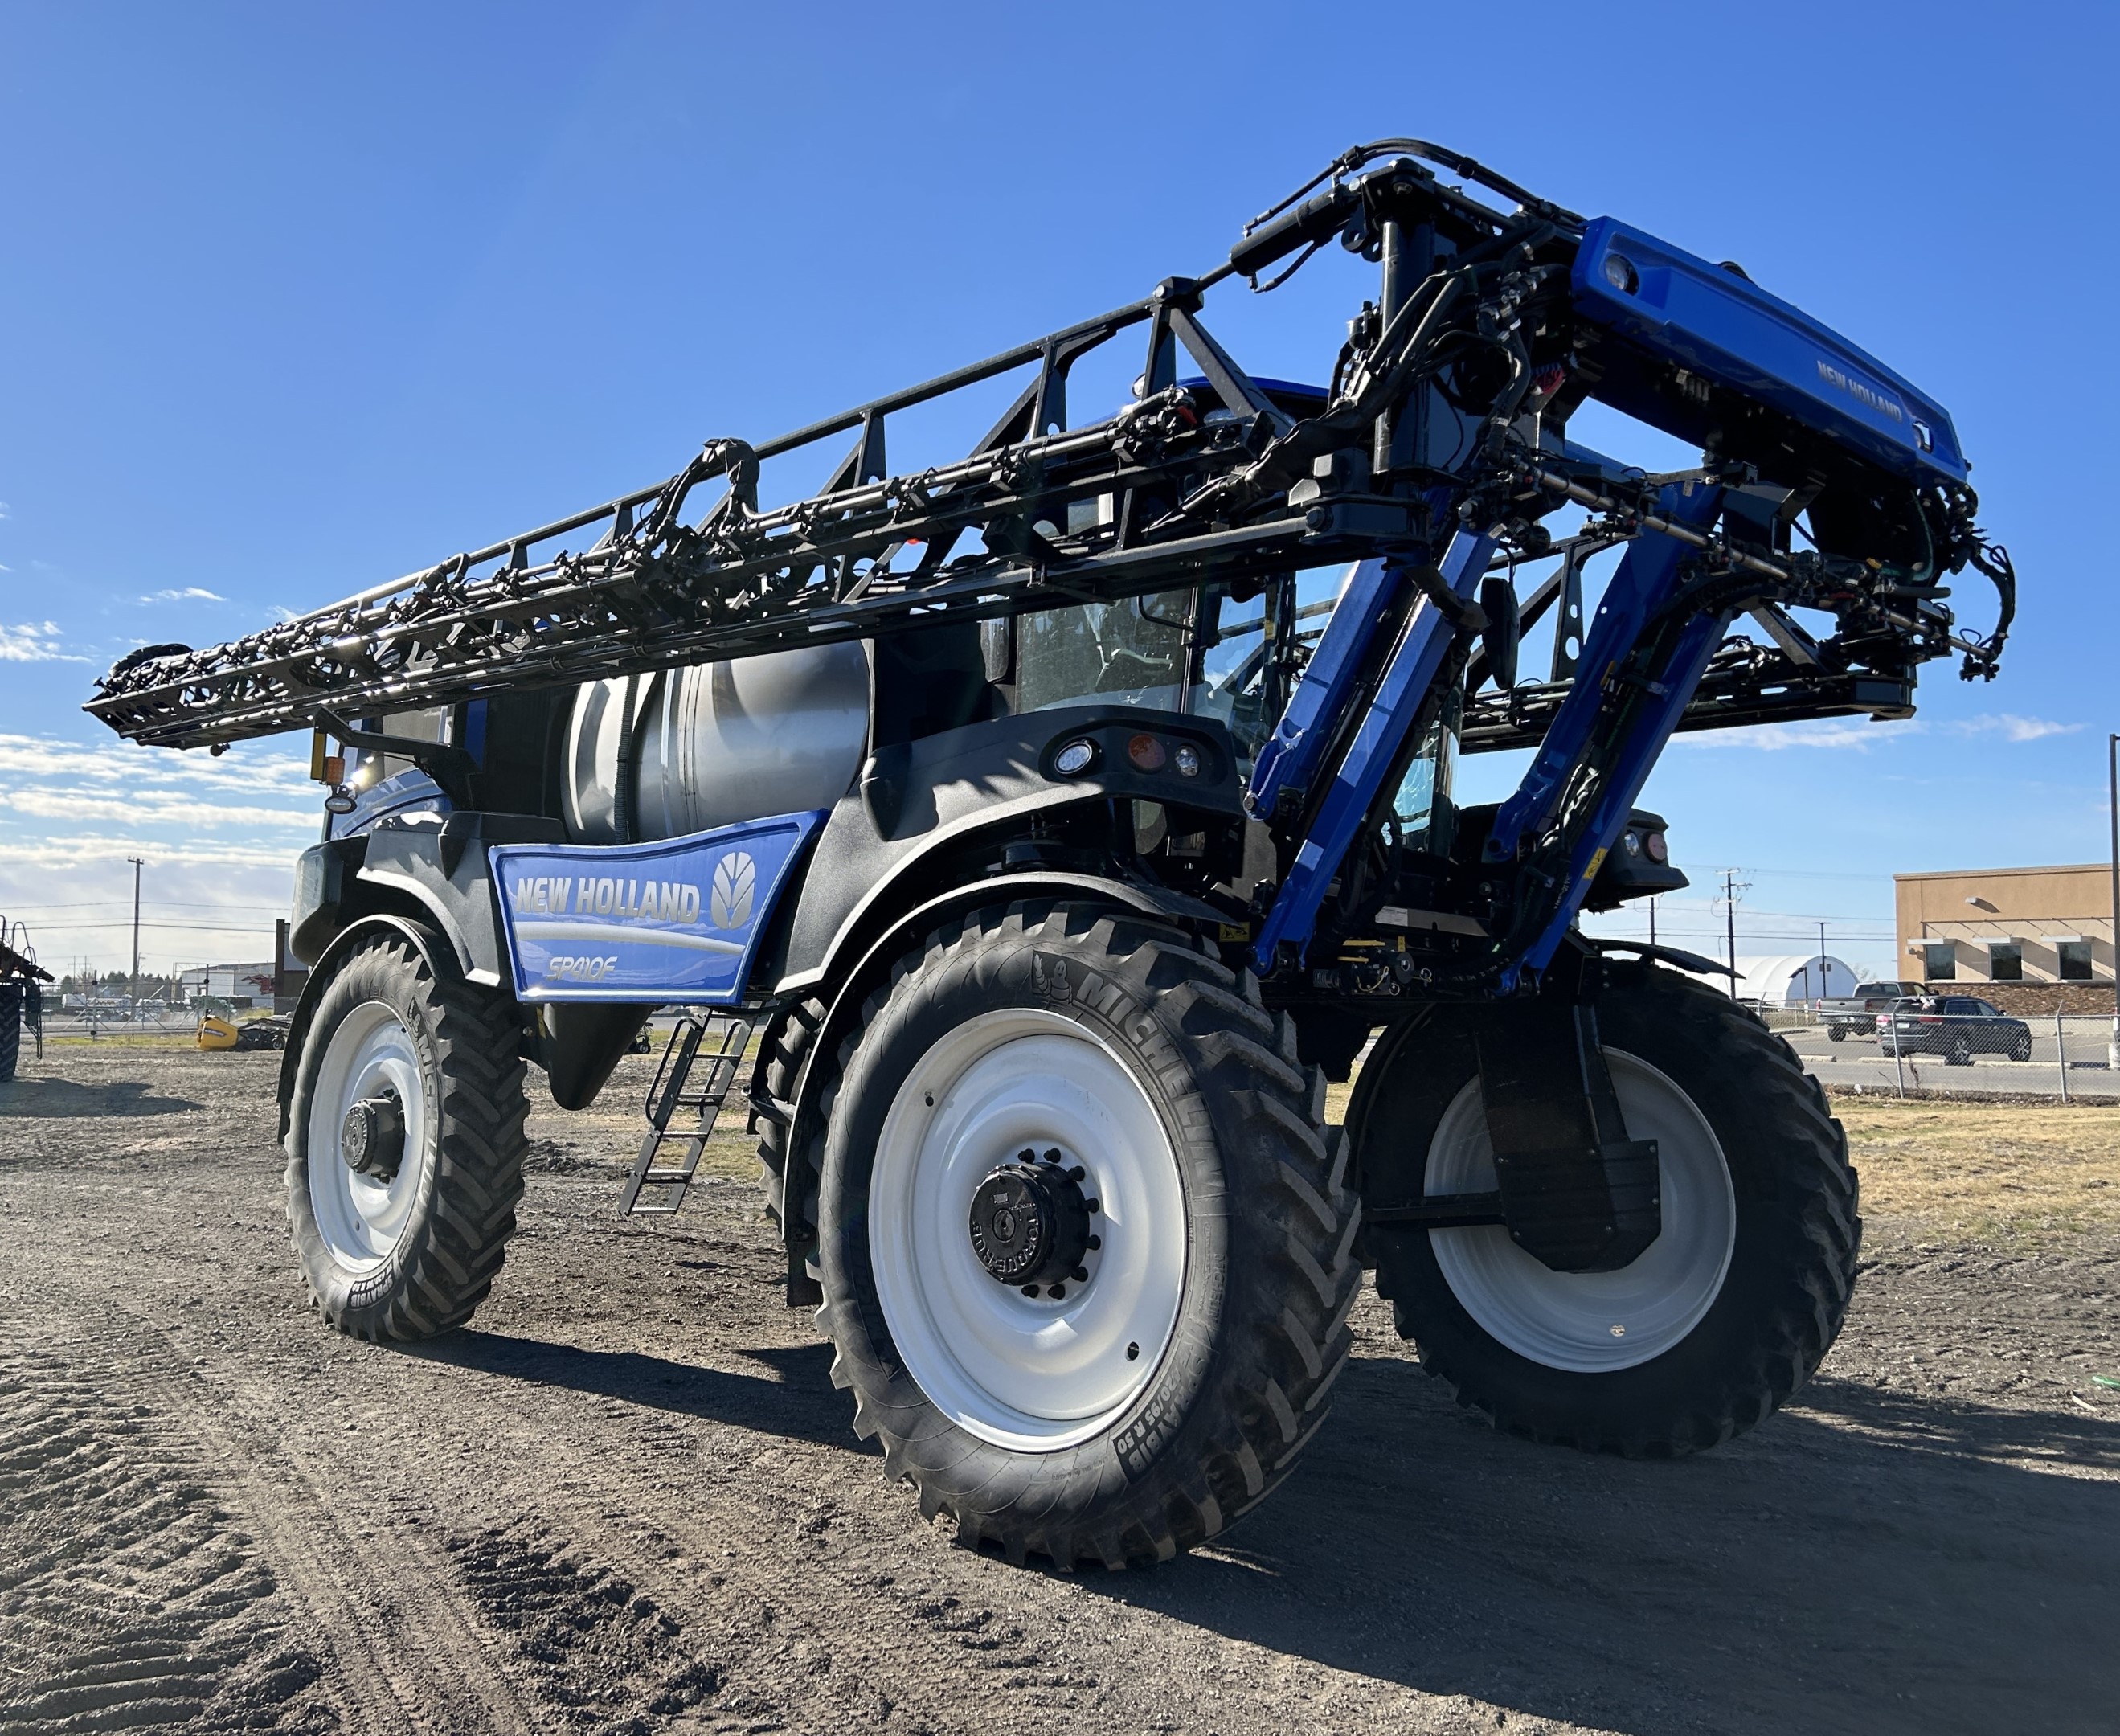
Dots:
pixel 1290 757
pixel 675 923
pixel 1728 331
pixel 1359 778
pixel 1647 575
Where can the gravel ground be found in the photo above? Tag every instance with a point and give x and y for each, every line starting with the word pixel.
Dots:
pixel 628 1498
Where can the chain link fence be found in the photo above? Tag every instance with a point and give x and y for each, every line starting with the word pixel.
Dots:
pixel 1924 1047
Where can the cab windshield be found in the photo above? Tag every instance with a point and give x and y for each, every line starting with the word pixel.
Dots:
pixel 1209 651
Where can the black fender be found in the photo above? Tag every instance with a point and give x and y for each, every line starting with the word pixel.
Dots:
pixel 856 982
pixel 435 952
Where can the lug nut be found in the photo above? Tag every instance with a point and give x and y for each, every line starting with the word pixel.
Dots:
pixel 1094 1243
pixel 1051 1157
pixel 1077 1173
pixel 1057 1292
pixel 1091 1205
pixel 1080 1274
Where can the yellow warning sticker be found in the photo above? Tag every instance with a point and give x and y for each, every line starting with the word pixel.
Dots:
pixel 1597 862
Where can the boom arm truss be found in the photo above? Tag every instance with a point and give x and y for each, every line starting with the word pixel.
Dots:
pixel 1436 452
pixel 1221 483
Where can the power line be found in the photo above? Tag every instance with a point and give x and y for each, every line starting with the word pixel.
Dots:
pixel 164 904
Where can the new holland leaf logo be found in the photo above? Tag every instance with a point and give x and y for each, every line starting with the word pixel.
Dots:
pixel 735 884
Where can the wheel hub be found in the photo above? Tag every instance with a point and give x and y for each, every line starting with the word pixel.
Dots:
pixel 1030 1222
pixel 371 1138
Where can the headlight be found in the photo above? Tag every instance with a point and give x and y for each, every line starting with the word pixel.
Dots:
pixel 1656 847
pixel 1621 273
pixel 1186 760
pixel 1075 758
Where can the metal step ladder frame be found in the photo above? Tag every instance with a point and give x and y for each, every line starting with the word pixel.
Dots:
pixel 669 1094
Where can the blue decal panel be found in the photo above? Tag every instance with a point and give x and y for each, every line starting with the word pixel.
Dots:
pixel 673 922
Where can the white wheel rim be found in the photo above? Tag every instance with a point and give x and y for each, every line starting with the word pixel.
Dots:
pixel 360 1217
pixel 1594 1322
pixel 1032 1375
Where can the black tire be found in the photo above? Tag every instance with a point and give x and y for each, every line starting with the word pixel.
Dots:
pixel 460 1206
pixel 1958 1051
pixel 10 1030
pixel 1836 1033
pixel 2020 1047
pixel 788 1042
pixel 1791 1265
pixel 1260 1329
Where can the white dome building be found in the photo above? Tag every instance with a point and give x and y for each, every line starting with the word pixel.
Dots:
pixel 1790 979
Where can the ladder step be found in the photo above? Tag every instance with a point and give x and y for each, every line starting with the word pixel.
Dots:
pixel 656 1189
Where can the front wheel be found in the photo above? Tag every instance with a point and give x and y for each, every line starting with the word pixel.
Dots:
pixel 1960 1051
pixel 1087 1248
pixel 405 1141
pixel 1724 1315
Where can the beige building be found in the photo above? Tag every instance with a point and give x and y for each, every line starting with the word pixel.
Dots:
pixel 2007 925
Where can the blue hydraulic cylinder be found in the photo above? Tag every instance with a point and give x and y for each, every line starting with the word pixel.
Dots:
pixel 1359 778
pixel 1646 577
pixel 1290 758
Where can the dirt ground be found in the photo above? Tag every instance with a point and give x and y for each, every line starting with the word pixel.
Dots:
pixel 628 1499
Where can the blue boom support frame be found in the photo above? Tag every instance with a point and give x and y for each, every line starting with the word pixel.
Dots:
pixel 1359 778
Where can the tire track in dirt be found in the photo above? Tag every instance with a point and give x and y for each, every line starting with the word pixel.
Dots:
pixel 128 1598
pixel 386 1614
pixel 872 1623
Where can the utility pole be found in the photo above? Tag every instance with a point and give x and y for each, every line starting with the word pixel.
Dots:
pixel 1729 915
pixel 2113 791
pixel 1825 985
pixel 1652 903
pixel 133 982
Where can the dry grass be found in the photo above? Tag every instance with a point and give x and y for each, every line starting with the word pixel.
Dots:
pixel 1982 1173
pixel 1988 1172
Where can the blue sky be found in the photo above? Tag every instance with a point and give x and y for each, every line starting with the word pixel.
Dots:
pixel 294 300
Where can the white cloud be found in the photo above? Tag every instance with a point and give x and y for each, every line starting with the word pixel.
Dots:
pixel 143 808
pixel 87 850
pixel 32 642
pixel 254 768
pixel 5 510
pixel 189 594
pixel 1858 733
pixel 2011 728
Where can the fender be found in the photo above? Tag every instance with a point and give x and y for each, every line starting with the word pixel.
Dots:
pixel 435 952
pixel 875 962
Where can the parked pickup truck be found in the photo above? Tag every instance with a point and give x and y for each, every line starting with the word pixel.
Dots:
pixel 1856 1015
pixel 1955 1026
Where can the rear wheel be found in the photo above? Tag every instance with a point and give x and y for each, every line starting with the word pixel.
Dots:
pixel 405 1141
pixel 1087 1248
pixel 1725 1315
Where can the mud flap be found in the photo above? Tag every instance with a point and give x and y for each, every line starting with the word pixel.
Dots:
pixel 1577 1194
